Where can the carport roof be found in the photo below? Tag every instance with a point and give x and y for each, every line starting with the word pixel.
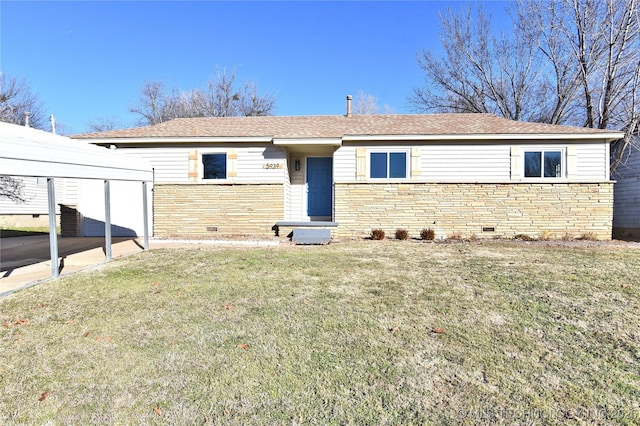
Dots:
pixel 25 151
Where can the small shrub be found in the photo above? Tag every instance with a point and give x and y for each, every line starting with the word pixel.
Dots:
pixel 567 237
pixel 402 234
pixel 545 236
pixel 522 237
pixel 588 236
pixel 428 234
pixel 377 234
pixel 455 237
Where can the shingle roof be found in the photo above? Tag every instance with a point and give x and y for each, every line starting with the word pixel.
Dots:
pixel 337 126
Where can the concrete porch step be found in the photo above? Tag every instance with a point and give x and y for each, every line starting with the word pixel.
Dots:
pixel 311 236
pixel 312 224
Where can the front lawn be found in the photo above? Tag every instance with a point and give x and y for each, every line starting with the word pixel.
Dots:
pixel 372 332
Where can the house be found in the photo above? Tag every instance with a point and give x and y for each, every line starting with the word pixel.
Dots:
pixel 31 211
pixel 459 174
pixel 626 206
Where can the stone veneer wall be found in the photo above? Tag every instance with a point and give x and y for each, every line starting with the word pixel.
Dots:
pixel 208 211
pixel 552 210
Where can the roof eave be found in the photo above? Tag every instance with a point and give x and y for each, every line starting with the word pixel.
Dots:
pixel 180 139
pixel 488 137
pixel 337 141
pixel 308 141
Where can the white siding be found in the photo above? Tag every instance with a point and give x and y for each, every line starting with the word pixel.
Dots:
pixel 69 192
pixel 298 194
pixel 468 162
pixel 437 162
pixel 287 190
pixel 582 162
pixel 170 164
pixel 592 162
pixel 344 164
pixel 251 163
pixel 626 192
pixel 36 198
pixel 465 162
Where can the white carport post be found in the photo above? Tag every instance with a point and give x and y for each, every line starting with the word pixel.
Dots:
pixel 107 220
pixel 145 219
pixel 53 234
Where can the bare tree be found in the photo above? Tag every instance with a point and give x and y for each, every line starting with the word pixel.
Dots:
pixel 152 100
pixel 594 47
pixel 480 73
pixel 16 99
pixel 366 103
pixel 251 103
pixel 221 98
pixel 567 62
pixel 105 124
pixel 12 188
pixel 559 81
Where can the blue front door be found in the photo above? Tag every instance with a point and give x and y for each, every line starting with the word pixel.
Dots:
pixel 319 182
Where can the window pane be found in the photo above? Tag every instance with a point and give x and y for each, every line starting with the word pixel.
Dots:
pixel 397 165
pixel 215 166
pixel 552 164
pixel 378 164
pixel 532 164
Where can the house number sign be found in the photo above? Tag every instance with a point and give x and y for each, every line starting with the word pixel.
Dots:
pixel 273 166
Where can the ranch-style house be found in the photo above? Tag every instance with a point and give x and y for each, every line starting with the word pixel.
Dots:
pixel 472 175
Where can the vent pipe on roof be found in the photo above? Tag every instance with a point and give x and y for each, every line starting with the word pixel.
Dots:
pixel 53 124
pixel 27 116
pixel 348 105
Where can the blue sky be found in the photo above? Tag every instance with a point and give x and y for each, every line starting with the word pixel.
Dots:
pixel 88 59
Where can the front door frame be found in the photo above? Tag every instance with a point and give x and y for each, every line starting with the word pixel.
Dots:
pixel 330 191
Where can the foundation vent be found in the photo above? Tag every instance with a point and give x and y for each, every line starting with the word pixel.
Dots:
pixel 212 229
pixel 488 229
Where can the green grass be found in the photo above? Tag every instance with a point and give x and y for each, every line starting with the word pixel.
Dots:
pixel 337 334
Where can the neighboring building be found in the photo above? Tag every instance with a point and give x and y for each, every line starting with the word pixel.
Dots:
pixel 459 174
pixel 626 206
pixel 33 210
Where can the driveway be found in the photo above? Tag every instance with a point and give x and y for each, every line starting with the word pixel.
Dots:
pixel 24 260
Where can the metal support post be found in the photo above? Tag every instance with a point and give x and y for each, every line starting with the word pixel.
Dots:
pixel 107 220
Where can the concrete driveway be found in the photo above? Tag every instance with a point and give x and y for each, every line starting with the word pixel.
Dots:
pixel 25 260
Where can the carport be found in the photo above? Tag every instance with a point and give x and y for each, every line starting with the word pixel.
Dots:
pixel 26 151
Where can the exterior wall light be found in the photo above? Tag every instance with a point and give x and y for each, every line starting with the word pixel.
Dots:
pixel 297 165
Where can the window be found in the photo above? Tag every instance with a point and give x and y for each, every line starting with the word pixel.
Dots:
pixel 390 165
pixel 214 166
pixel 546 164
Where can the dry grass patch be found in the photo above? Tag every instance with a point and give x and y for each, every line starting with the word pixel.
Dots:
pixel 352 333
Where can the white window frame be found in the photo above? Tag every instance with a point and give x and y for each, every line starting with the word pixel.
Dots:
pixel 542 150
pixel 201 177
pixel 407 171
